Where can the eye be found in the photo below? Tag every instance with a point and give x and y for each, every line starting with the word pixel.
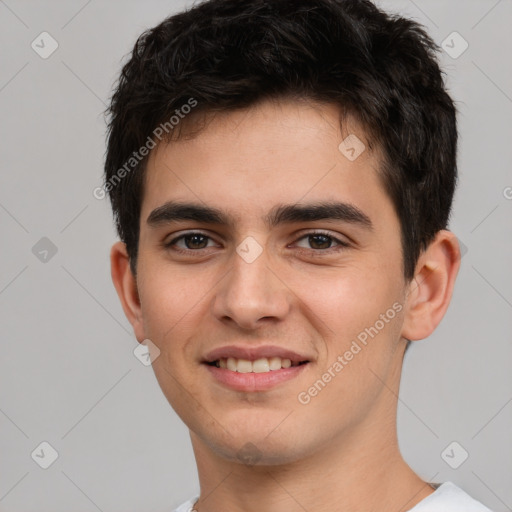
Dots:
pixel 319 241
pixel 315 242
pixel 192 241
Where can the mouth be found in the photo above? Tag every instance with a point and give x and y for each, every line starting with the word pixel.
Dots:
pixel 249 369
pixel 260 365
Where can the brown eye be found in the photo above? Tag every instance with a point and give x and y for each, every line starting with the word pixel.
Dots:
pixel 195 241
pixel 190 242
pixel 320 241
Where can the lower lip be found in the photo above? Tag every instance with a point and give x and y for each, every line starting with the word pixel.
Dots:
pixel 255 381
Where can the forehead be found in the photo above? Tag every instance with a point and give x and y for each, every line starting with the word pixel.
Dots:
pixel 246 162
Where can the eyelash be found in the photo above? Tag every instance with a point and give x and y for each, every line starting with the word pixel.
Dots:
pixel 317 252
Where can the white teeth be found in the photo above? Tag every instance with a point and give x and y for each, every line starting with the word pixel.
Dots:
pixel 261 365
pixel 243 366
pixel 275 363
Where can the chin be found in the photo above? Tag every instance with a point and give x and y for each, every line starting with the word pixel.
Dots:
pixel 252 448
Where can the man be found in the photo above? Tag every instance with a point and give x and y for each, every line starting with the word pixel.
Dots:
pixel 281 175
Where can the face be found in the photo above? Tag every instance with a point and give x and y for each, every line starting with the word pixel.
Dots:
pixel 262 245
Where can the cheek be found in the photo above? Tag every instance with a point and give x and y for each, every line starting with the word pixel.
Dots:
pixel 346 300
pixel 359 321
pixel 168 299
pixel 172 307
pixel 358 315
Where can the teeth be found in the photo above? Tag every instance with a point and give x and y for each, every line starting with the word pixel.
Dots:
pixel 275 363
pixel 243 366
pixel 261 365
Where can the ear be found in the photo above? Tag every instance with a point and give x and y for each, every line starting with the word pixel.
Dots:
pixel 126 287
pixel 430 291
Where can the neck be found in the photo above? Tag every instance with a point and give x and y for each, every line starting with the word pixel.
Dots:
pixel 362 471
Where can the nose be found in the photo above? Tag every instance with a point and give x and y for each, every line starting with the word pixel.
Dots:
pixel 251 293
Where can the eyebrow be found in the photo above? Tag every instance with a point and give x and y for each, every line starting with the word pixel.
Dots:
pixel 173 211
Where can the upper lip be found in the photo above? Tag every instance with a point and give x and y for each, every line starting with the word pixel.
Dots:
pixel 253 353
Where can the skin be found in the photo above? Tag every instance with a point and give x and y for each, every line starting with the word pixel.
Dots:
pixel 340 450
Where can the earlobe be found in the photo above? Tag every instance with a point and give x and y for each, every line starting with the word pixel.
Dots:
pixel 431 289
pixel 126 287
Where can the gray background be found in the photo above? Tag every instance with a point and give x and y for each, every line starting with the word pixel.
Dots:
pixel 68 375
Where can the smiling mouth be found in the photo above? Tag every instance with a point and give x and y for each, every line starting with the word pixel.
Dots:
pixel 261 365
